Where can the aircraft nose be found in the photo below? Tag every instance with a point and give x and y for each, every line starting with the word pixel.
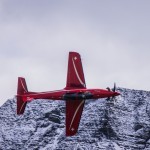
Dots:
pixel 117 93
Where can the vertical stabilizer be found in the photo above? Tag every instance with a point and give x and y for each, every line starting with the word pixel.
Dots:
pixel 22 89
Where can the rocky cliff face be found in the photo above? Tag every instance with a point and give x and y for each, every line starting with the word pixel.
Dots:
pixel 124 125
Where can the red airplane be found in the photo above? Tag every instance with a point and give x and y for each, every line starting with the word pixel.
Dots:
pixel 74 94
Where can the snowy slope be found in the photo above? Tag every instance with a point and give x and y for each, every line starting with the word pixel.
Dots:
pixel 122 126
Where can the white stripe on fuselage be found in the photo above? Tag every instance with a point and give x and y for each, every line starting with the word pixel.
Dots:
pixel 37 93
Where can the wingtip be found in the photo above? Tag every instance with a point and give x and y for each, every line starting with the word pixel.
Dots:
pixel 71 133
pixel 21 78
pixel 73 53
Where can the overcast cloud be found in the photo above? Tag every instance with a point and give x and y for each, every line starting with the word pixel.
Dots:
pixel 111 36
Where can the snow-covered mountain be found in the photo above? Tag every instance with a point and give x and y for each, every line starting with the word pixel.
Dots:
pixel 124 125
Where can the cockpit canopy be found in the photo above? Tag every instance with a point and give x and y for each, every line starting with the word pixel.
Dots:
pixel 79 95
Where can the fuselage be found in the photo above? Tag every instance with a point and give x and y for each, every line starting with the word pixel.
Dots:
pixel 70 94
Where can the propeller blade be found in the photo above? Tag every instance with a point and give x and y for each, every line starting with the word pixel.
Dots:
pixel 114 89
pixel 108 99
pixel 111 99
pixel 114 99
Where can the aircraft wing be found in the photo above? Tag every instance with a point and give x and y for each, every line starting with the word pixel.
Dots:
pixel 74 110
pixel 75 75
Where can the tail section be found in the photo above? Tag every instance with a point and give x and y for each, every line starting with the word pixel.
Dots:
pixel 22 89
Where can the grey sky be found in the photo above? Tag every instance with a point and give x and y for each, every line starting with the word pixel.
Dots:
pixel 111 36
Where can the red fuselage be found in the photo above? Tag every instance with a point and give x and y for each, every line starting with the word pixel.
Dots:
pixel 66 94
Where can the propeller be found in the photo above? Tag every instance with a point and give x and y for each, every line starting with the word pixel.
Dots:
pixel 113 90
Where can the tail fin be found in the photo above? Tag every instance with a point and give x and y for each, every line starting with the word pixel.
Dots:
pixel 22 89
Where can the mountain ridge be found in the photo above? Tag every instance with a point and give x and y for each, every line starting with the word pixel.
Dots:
pixel 124 125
